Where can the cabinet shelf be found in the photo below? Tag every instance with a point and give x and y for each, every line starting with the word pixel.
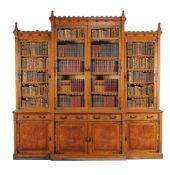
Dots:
pixel 35 70
pixel 77 40
pixel 71 93
pixel 33 83
pixel 151 82
pixel 111 40
pixel 140 96
pixel 70 73
pixel 34 56
pixel 104 93
pixel 71 58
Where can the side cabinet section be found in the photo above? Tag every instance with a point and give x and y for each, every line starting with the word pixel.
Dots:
pixel 70 135
pixel 105 134
pixel 143 135
pixel 33 135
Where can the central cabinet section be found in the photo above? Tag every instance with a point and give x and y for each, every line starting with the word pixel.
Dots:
pixel 93 134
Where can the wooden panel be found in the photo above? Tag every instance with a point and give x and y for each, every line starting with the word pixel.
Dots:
pixel 74 117
pixel 33 136
pixel 142 136
pixel 99 117
pixel 105 138
pixel 70 138
pixel 141 117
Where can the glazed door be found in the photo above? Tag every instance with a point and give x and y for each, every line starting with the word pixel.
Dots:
pixel 70 137
pixel 142 136
pixel 33 136
pixel 105 137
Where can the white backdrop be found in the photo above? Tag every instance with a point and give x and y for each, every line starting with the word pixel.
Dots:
pixel 34 15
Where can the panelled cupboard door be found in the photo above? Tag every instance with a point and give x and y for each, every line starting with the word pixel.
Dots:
pixel 142 136
pixel 70 138
pixel 105 137
pixel 33 136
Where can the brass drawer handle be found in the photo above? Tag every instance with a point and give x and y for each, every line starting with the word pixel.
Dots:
pixel 26 116
pixel 63 117
pixel 113 117
pixel 131 116
pixel 79 117
pixel 42 116
pixel 149 116
pixel 97 117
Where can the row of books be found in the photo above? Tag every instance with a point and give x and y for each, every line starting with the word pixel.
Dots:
pixel 104 101
pixel 105 50
pixel 34 90
pixel 34 63
pixel 73 85
pixel 140 89
pixel 34 48
pixel 104 66
pixel 105 33
pixel 107 85
pixel 70 50
pixel 141 102
pixel 70 33
pixel 34 76
pixel 140 48
pixel 140 76
pixel 140 63
pixel 70 101
pixel 34 102
pixel 70 66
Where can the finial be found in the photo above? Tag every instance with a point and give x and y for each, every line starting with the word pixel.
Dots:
pixel 52 13
pixel 16 27
pixel 123 13
pixel 159 26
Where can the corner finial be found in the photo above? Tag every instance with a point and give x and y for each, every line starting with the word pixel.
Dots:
pixel 16 27
pixel 123 13
pixel 159 26
pixel 52 13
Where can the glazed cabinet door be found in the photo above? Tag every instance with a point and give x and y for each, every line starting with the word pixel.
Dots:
pixel 33 136
pixel 105 137
pixel 142 136
pixel 70 137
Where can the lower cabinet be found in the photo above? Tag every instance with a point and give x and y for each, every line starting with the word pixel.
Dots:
pixel 70 137
pixel 143 135
pixel 105 138
pixel 88 136
pixel 32 135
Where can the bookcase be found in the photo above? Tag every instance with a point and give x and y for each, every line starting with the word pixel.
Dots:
pixel 87 89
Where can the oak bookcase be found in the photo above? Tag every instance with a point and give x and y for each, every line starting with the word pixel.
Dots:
pixel 87 89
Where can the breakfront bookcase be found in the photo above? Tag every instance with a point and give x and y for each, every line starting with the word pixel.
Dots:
pixel 87 89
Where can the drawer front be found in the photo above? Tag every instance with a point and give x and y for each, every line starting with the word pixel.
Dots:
pixel 64 117
pixel 111 117
pixel 142 117
pixel 34 117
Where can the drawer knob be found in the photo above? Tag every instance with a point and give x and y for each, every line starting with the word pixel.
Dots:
pixel 96 117
pixel 113 117
pixel 79 117
pixel 132 116
pixel 42 116
pixel 149 116
pixel 63 117
pixel 26 116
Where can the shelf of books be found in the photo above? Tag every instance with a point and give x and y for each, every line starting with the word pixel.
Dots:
pixel 104 67
pixel 70 62
pixel 140 74
pixel 34 74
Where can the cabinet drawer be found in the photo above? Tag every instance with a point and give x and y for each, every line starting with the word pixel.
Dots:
pixel 112 117
pixel 141 117
pixel 33 117
pixel 71 117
